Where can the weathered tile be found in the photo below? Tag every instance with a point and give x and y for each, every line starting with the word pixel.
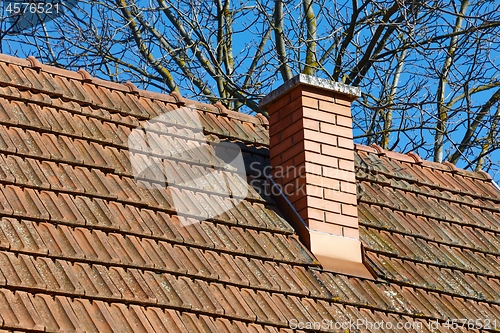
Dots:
pixel 264 307
pixel 13 75
pixel 22 235
pixel 61 177
pixel 17 311
pixel 61 208
pixel 25 202
pixel 94 210
pixel 83 226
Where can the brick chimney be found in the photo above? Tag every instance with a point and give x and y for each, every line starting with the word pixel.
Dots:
pixel 312 159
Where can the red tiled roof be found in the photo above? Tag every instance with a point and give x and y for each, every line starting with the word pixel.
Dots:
pixel 84 248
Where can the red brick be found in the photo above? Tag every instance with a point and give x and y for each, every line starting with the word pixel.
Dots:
pixel 280 146
pixel 343 197
pixel 344 132
pixel 279 103
pixel 345 154
pixel 319 136
pixel 294 107
pixel 288 172
pixel 351 210
pixel 328 128
pixel 291 162
pixel 289 146
pixel 296 160
pixel 278 174
pixel 313 190
pixel 309 102
pixel 301 204
pixel 312 146
pixel 296 92
pixel 325 227
pixel 320 159
pixel 297 114
pixel 299 181
pixel 312 202
pixel 336 173
pixel 311 213
pixel 316 160
pixel 275 139
pixel 291 130
pixel 344 121
pixel 304 217
pixel 300 169
pixel 274 157
pixel 323 117
pixel 274 117
pixel 298 136
pixel 326 205
pixel 288 165
pixel 350 232
pixel 276 160
pixel 348 187
pixel 293 194
pixel 326 183
pixel 344 220
pixel 280 125
pixel 313 168
pixel 345 143
pixel 333 218
pixel 313 92
pixel 328 106
pixel 292 152
pixel 346 165
pixel 341 99
pixel 311 124
pixel 320 96
pixel 277 180
pixel 336 130
pixel 335 108
pixel 292 172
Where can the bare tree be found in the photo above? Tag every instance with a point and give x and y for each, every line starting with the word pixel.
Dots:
pixel 427 68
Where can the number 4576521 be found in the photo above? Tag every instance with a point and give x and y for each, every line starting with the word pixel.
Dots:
pixel 32 8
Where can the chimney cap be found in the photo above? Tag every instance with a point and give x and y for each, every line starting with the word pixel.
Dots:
pixel 309 80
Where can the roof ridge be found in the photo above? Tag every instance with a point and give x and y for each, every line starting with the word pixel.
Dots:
pixel 414 158
pixel 128 87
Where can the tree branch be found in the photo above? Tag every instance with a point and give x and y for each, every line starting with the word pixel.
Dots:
pixel 311 60
pixel 284 68
pixel 373 43
pixel 471 129
pixel 442 110
pixel 139 41
pixel 178 60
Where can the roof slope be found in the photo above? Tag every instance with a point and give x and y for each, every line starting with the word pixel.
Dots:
pixel 83 247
